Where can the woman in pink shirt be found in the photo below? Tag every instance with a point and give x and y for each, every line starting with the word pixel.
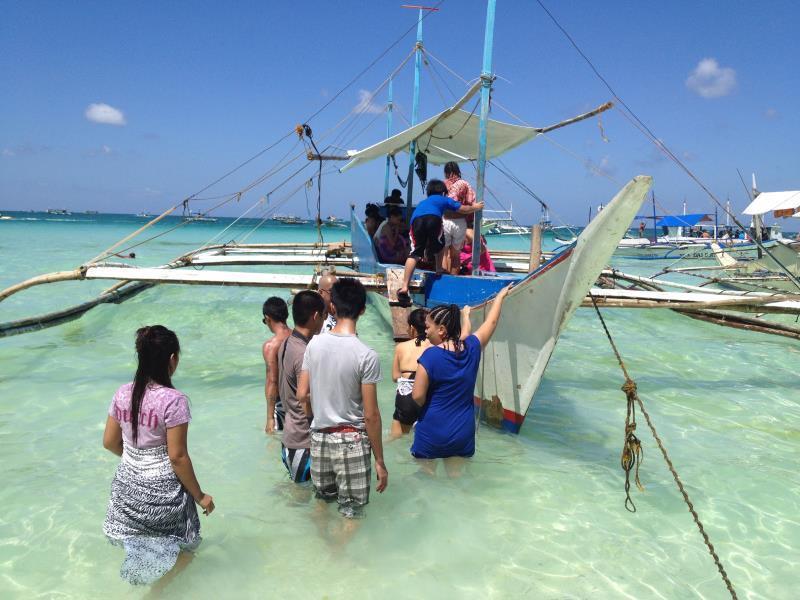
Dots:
pixel 152 511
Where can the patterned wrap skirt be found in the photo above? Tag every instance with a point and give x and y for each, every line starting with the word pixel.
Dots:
pixel 150 514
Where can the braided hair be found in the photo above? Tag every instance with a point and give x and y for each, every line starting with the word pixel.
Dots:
pixel 154 347
pixel 416 319
pixel 449 316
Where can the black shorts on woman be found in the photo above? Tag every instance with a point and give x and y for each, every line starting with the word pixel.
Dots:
pixel 427 236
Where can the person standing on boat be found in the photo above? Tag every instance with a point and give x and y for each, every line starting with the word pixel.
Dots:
pixel 275 314
pixel 445 383
pixel 324 287
pixel 338 385
pixel 455 224
pixel 152 510
pixel 426 231
pixel 642 227
pixel 308 313
pixel 404 369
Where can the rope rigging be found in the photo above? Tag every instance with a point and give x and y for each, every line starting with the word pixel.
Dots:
pixel 632 451
pixel 631 116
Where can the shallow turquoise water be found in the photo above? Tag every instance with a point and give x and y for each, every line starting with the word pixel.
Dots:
pixel 540 514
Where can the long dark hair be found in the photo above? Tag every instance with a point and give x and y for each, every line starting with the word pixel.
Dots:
pixel 154 347
pixel 416 319
pixel 449 317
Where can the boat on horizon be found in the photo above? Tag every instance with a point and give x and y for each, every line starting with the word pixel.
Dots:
pixel 58 211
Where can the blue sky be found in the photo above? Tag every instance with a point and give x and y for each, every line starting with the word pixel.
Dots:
pixel 195 88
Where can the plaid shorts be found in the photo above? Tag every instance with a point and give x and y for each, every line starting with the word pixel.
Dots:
pixel 341 469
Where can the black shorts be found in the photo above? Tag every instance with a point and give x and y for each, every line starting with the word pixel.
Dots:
pixel 427 236
pixel 297 462
pixel 279 415
pixel 406 411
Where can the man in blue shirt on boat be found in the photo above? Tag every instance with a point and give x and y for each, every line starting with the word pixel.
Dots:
pixel 426 231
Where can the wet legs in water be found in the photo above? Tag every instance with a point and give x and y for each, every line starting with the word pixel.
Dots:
pixel 453 466
pixel 157 589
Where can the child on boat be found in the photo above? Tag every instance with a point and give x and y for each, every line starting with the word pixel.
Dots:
pixel 404 369
pixel 275 314
pixel 338 386
pixel 308 313
pixel 426 231
pixel 455 225
pixel 486 263
pixel 152 507
pixel 445 382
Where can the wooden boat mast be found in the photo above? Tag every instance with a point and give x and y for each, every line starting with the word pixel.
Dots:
pixel 389 108
pixel 486 86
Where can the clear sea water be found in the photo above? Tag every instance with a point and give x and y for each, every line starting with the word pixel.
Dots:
pixel 537 515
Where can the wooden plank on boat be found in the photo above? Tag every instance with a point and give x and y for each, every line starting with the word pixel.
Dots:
pixel 209 277
pixel 394 281
pixel 266 259
pixel 536 247
pixel 614 298
pixel 400 322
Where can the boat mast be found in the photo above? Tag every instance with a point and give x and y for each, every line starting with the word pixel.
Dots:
pixel 412 149
pixel 655 229
pixel 388 134
pixel 486 85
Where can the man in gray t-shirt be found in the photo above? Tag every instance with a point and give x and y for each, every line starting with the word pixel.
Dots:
pixel 338 386
pixel 308 310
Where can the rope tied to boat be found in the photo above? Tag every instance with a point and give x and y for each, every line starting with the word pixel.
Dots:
pixel 629 387
pixel 632 452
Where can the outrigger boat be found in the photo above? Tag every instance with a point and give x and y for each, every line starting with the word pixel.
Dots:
pixel 536 310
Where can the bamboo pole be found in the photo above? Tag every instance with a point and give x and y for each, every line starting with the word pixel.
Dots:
pixel 40 279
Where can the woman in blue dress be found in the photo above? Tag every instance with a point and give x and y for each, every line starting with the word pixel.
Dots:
pixel 445 381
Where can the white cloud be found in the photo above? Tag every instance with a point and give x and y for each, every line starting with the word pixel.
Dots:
pixel 105 114
pixel 709 80
pixel 8 152
pixel 366 105
pixel 771 113
pixel 106 150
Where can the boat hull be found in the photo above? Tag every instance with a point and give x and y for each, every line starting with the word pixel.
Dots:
pixel 537 310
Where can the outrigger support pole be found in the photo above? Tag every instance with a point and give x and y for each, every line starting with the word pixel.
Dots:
pixel 486 86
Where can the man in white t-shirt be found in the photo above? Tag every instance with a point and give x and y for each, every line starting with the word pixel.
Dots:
pixel 338 389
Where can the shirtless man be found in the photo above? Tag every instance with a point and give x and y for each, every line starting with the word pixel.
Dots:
pixel 275 314
pixel 324 288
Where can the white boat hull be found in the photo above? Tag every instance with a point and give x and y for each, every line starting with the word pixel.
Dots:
pixel 538 308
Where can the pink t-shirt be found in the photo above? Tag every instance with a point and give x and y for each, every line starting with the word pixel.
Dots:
pixel 161 408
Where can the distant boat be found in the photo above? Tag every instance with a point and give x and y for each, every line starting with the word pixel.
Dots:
pixel 333 221
pixel 91 212
pixel 288 220
pixel 503 224
pixel 198 216
pixel 144 215
pixel 58 211
pixel 5 217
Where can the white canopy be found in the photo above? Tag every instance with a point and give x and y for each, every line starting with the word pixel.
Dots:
pixel 450 135
pixel 769 201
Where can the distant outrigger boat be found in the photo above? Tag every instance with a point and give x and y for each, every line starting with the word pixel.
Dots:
pixel 289 220
pixel 144 215
pixel 58 211
pixel 503 224
pixel 199 217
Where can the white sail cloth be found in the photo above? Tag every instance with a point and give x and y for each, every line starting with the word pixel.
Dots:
pixel 771 201
pixel 450 135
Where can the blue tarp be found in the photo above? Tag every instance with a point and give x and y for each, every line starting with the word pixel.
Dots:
pixel 683 220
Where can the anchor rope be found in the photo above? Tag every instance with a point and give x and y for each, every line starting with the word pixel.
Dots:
pixel 629 387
